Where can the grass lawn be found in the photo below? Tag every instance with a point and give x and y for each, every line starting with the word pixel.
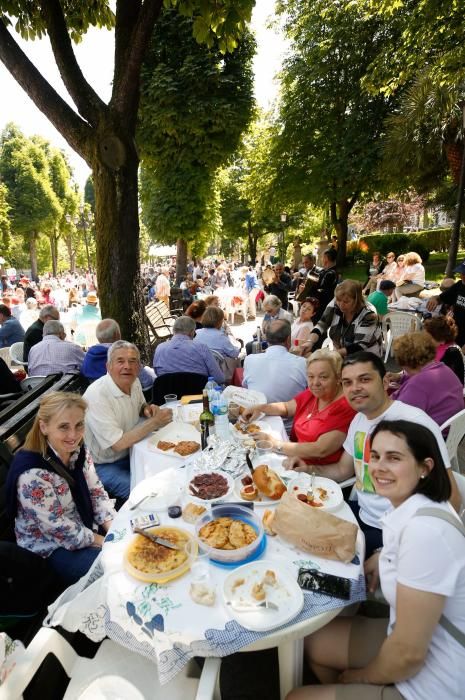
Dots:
pixel 434 268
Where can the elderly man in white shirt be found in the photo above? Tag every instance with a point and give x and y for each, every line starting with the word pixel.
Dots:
pixel 116 403
pixel 53 353
pixel 277 373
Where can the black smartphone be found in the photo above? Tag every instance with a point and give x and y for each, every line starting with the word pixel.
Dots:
pixel 319 582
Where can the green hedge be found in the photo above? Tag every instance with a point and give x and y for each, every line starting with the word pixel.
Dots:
pixel 422 242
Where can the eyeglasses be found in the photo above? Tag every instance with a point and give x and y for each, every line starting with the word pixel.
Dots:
pixel 390 256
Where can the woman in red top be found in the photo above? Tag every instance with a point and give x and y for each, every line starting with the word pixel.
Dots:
pixel 321 413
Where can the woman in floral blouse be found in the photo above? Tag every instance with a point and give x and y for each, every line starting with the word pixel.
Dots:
pixel 53 491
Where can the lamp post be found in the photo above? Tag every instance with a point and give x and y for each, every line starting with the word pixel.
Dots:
pixel 84 221
pixel 282 248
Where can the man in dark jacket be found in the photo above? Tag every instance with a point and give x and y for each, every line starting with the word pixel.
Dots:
pixel 35 332
pixel 281 286
pixel 454 296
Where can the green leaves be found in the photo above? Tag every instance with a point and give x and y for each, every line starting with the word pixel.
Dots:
pixel 195 104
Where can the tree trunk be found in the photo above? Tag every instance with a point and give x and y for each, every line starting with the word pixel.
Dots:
pixel 181 260
pixel 54 253
pixel 339 218
pixel 115 169
pixel 33 256
pixel 455 238
pixel 71 254
pixel 252 243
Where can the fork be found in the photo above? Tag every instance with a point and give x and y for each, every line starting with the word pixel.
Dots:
pixel 311 491
pixel 251 607
pixel 149 495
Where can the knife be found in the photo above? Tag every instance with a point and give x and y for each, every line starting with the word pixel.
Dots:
pixel 249 462
pixel 158 540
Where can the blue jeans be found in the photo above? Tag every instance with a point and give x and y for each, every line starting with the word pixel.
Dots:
pixel 71 565
pixel 373 535
pixel 116 477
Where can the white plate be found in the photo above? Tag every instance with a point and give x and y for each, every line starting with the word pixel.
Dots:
pixel 173 432
pixel 264 427
pixel 195 473
pixel 334 492
pixel 168 484
pixel 264 500
pixel 287 595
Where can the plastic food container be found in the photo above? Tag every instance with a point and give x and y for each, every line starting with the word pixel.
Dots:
pixel 163 577
pixel 233 557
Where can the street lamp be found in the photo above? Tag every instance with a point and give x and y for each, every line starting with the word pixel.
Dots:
pixel 282 248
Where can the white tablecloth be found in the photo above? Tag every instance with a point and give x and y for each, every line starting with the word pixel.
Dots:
pixel 162 623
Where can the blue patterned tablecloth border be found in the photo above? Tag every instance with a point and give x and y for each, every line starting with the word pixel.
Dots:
pixel 223 642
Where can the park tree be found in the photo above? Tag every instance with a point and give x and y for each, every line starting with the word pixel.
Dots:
pixel 34 206
pixel 330 130
pixel 195 103
pixel 104 134
pixel 5 227
pixel 251 206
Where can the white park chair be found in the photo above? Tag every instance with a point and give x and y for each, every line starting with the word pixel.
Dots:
pixel 16 354
pixel 395 324
pixel 5 355
pixel 114 669
pixel 456 426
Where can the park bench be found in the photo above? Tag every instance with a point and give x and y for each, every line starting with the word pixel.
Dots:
pixel 160 322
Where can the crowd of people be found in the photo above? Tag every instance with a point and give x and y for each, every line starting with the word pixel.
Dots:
pixel 345 415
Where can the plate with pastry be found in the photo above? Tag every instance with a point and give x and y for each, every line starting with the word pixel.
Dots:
pixel 327 494
pixel 154 562
pixel 244 431
pixel 265 487
pixel 175 440
pixel 157 492
pixel 262 595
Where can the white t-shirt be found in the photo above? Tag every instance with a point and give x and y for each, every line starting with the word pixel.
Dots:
pixel 111 413
pixel 356 444
pixel 417 271
pixel 428 554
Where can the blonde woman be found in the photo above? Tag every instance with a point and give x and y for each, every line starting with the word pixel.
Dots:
pixel 412 280
pixel 53 492
pixel 321 414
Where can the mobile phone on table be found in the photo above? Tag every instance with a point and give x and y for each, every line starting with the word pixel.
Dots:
pixel 319 582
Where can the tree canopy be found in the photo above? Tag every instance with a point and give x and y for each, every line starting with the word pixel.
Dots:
pixel 330 129
pixel 195 104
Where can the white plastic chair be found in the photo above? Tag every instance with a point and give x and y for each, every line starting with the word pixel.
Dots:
pixel 122 673
pixel 16 354
pixel 456 426
pixel 397 323
pixel 85 334
pixel 31 382
pixel 5 355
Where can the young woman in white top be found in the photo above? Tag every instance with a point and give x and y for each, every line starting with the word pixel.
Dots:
pixel 413 277
pixel 303 326
pixel 419 653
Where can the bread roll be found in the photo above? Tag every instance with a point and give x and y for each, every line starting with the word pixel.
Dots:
pixel 268 482
pixel 267 521
pixel 249 492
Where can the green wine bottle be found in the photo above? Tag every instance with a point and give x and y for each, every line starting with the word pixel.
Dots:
pixel 207 420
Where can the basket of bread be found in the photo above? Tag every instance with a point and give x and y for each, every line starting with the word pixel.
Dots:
pixel 230 534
